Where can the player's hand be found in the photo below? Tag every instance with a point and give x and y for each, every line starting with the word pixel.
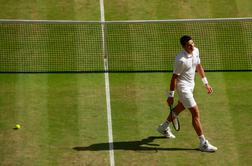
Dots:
pixel 209 89
pixel 170 101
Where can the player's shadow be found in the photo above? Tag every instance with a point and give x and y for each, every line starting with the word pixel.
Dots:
pixel 142 145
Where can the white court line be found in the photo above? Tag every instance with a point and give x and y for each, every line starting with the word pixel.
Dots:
pixel 106 75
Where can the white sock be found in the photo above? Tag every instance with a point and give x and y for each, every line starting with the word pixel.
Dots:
pixel 165 124
pixel 202 138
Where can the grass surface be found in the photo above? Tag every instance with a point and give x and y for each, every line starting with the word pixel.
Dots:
pixel 159 9
pixel 64 119
pixel 51 10
pixel 57 113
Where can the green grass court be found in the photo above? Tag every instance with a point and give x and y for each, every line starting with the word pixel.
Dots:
pixel 64 118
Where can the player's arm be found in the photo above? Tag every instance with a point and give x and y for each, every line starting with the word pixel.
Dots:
pixel 170 99
pixel 201 72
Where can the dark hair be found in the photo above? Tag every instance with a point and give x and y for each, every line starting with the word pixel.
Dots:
pixel 184 39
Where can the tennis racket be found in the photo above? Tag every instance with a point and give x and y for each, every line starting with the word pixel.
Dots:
pixel 175 121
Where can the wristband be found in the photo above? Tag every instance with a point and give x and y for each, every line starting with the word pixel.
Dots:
pixel 171 94
pixel 204 80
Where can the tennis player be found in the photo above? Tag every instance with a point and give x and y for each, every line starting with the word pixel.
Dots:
pixel 187 62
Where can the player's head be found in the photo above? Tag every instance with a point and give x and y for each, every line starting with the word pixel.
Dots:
pixel 184 39
pixel 187 43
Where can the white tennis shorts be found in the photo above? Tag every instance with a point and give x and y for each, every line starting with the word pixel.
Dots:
pixel 185 96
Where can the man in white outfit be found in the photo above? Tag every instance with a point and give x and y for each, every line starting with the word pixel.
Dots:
pixel 187 62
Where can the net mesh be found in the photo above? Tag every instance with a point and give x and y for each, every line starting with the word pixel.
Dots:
pixel 225 45
pixel 50 47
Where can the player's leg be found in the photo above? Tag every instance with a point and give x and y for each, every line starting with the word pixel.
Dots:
pixel 204 144
pixel 196 120
pixel 186 97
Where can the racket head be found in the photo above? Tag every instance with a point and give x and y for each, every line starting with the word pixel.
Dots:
pixel 176 124
pixel 175 121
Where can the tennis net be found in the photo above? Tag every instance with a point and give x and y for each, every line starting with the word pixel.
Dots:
pixel 131 46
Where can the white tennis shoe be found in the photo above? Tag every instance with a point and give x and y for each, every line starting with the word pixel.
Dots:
pixel 165 132
pixel 207 147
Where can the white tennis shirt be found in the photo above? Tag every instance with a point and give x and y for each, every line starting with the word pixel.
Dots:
pixel 185 67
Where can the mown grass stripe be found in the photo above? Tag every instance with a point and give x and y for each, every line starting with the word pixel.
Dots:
pixel 216 117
